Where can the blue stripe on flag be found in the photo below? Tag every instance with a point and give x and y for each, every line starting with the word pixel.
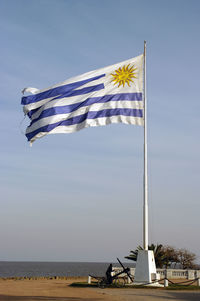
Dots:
pixel 89 101
pixel 72 93
pixel 57 91
pixel 88 115
pixel 81 91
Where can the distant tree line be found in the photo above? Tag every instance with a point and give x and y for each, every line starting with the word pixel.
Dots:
pixel 168 256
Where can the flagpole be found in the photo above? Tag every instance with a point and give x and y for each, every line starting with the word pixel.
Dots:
pixel 145 265
pixel 145 195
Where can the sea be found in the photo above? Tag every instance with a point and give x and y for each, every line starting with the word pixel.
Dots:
pixel 9 269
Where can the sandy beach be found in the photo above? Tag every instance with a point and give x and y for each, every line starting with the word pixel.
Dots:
pixel 60 290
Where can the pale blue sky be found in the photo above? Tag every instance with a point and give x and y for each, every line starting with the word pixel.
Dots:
pixel 78 197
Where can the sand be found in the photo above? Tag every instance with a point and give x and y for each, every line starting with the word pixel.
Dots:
pixel 59 290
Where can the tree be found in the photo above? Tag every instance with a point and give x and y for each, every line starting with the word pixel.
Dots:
pixel 170 256
pixel 166 256
pixel 186 259
pixel 158 254
pixel 133 254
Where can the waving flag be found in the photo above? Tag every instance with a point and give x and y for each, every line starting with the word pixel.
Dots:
pixel 108 95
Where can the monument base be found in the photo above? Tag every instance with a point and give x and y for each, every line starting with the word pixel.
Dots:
pixel 145 271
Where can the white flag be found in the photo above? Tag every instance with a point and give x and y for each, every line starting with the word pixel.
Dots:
pixel 113 94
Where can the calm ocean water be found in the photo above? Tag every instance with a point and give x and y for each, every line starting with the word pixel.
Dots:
pixel 49 269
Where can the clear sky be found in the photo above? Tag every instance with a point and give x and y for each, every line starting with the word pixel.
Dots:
pixel 78 197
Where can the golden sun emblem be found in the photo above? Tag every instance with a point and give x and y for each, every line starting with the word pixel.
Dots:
pixel 124 75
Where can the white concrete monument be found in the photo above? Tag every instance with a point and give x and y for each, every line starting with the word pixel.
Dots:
pixel 145 271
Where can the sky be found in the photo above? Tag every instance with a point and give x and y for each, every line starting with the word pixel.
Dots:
pixel 79 197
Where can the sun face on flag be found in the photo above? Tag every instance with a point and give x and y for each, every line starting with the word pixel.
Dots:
pixel 124 75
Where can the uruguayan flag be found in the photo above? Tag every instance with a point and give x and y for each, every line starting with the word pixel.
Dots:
pixel 112 94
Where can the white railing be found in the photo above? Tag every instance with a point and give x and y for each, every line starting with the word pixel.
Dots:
pixel 119 269
pixel 168 273
pixel 178 273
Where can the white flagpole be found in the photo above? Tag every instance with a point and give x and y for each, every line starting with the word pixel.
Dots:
pixel 145 265
pixel 145 206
